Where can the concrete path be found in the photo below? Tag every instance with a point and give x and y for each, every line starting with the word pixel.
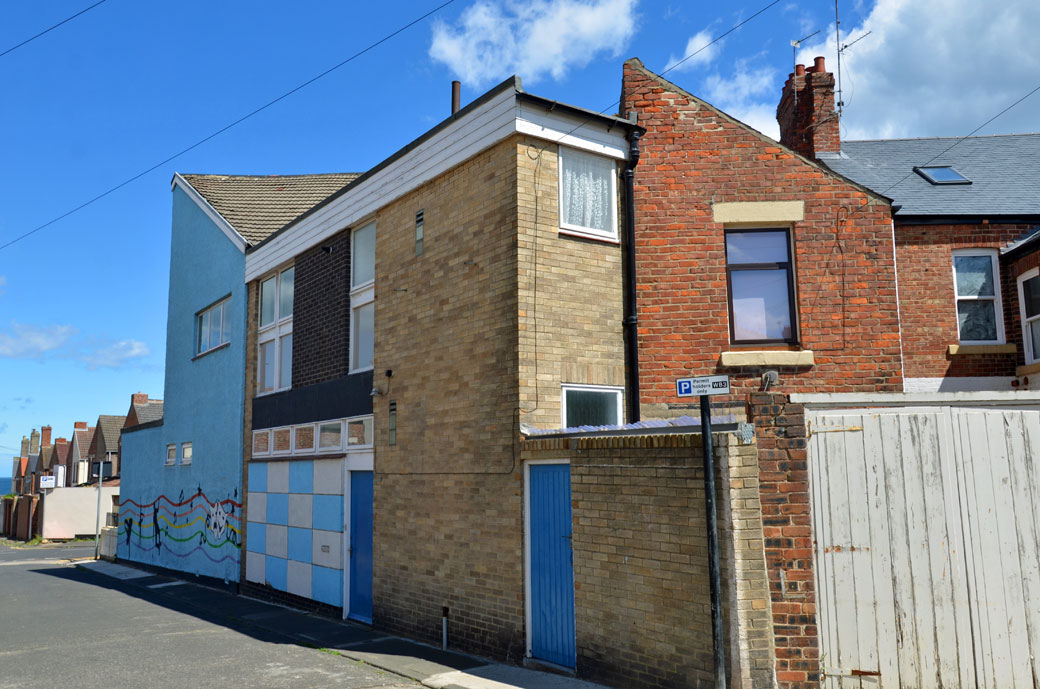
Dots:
pixel 431 666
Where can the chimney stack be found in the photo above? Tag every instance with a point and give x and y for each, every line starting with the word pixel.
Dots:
pixel 25 447
pixel 456 94
pixel 80 425
pixel 139 398
pixel 34 442
pixel 46 435
pixel 808 121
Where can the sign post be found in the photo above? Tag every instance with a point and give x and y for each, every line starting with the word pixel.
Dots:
pixel 704 388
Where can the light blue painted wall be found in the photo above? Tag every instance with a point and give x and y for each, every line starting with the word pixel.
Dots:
pixel 203 405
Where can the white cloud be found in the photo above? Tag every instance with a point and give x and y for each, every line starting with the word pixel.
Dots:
pixel 698 42
pixel 937 68
pixel 741 93
pixel 34 341
pixel 25 341
pixel 116 355
pixel 496 38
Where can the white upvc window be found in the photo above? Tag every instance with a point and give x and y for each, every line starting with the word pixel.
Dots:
pixel 185 453
pixel 274 334
pixel 213 326
pixel 362 297
pixel 976 284
pixel 590 405
pixel 171 455
pixel 1029 304
pixel 588 195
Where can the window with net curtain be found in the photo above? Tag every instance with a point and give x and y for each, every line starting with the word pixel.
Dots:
pixel 587 194
pixel 591 406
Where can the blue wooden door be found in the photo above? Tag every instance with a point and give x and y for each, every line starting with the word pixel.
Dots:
pixel 360 604
pixel 552 568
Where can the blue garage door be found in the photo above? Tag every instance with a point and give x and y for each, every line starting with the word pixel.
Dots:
pixel 361 545
pixel 552 569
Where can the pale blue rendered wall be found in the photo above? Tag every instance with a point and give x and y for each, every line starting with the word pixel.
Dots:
pixel 197 506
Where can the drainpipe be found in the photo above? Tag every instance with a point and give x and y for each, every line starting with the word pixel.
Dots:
pixel 631 321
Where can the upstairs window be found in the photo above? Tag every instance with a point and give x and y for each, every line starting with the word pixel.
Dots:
pixel 274 335
pixel 760 277
pixel 976 284
pixel 185 453
pixel 213 327
pixel 171 454
pixel 362 297
pixel 591 405
pixel 1029 300
pixel 588 195
pixel 942 174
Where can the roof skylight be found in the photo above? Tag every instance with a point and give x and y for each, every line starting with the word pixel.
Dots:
pixel 941 174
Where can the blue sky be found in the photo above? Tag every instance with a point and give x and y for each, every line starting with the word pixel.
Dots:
pixel 127 84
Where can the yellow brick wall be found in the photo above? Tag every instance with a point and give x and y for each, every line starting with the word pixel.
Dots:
pixel 570 295
pixel 448 519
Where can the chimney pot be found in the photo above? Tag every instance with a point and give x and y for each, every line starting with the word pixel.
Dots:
pixel 80 425
pixel 456 94
pixel 818 65
pixel 799 70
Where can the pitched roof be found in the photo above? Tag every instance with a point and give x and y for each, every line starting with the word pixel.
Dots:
pixel 1004 172
pixel 150 411
pixel 61 452
pixel 109 427
pixel 258 205
pixel 46 456
pixel 83 440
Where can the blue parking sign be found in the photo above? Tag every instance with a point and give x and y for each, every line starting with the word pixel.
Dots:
pixel 684 387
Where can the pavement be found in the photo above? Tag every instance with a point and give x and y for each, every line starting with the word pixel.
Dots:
pixel 430 666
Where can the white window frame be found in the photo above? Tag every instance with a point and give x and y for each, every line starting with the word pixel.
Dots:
pixel 264 431
pixel 296 449
pixel 1031 357
pixel 619 390
pixel 278 328
pixel 366 447
pixel 318 449
pixel 579 230
pixel 361 295
pixel 170 461
pixel 223 305
pixel 997 296
pixel 186 456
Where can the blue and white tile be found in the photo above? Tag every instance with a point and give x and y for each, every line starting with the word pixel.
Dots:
pixel 258 476
pixel 256 507
pixel 299 579
pixel 300 544
pixel 277 540
pixel 256 537
pixel 301 476
pixel 328 512
pixel 276 572
pixel 327 548
pixel 278 508
pixel 256 564
pixel 301 510
pixel 278 477
pixel 328 476
pixel 327 585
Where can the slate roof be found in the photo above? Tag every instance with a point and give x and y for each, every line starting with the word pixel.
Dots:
pixel 85 438
pixel 1004 171
pixel 258 205
pixel 109 427
pixel 46 456
pixel 151 411
pixel 61 453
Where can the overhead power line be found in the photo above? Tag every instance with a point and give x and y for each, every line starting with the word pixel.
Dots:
pixel 46 31
pixel 225 128
pixel 718 38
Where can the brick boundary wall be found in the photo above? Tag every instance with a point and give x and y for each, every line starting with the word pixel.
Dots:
pixel 787 527
pixel 642 594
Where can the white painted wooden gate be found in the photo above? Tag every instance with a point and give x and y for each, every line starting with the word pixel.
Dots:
pixel 926 523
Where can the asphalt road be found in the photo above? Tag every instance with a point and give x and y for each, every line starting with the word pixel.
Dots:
pixel 64 627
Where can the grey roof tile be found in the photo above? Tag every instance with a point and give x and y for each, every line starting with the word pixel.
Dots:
pixel 109 427
pixel 258 205
pixel 1004 171
pixel 151 411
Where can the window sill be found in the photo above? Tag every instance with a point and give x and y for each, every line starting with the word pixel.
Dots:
pixel 605 239
pixel 803 358
pixel 210 351
pixel 297 458
pixel 962 350
pixel 271 392
pixel 1028 369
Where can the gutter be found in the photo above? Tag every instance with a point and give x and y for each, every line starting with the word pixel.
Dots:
pixel 631 320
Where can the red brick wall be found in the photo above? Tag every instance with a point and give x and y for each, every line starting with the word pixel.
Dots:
pixel 787 529
pixel 694 156
pixel 928 306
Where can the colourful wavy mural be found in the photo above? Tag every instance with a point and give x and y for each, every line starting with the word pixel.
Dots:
pixel 173 527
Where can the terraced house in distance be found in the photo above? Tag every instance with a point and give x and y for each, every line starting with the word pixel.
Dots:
pixel 402 333
pixel 181 493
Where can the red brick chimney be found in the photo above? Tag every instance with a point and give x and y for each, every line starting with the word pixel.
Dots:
pixel 808 121
pixel 45 435
pixel 80 425
pixel 139 398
